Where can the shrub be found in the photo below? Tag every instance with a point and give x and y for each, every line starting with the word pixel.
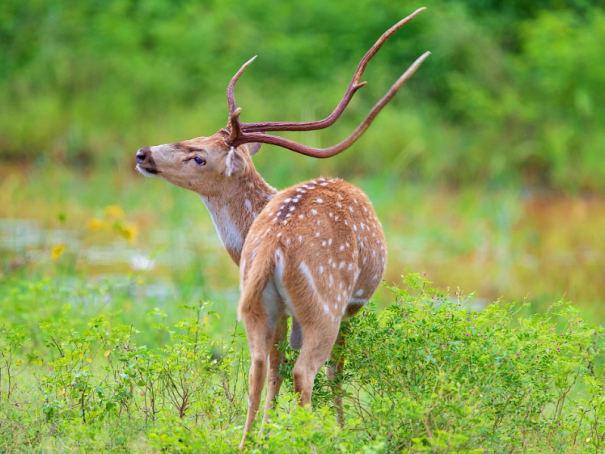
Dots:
pixel 428 373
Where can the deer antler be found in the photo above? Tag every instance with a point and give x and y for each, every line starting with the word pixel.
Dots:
pixel 241 133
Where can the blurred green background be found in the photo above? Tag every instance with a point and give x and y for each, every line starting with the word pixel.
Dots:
pixel 487 169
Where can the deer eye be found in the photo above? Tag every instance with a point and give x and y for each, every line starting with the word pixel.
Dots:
pixel 199 161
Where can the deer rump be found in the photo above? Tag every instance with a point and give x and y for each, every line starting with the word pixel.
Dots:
pixel 315 253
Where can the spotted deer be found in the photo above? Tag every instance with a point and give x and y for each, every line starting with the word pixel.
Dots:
pixel 314 252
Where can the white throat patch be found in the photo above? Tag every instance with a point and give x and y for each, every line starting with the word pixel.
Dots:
pixel 228 233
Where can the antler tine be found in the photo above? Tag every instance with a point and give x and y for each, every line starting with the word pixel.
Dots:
pixel 331 151
pixel 231 86
pixel 351 90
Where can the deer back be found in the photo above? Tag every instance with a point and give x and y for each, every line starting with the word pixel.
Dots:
pixel 323 246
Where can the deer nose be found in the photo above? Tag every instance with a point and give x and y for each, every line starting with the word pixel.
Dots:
pixel 142 154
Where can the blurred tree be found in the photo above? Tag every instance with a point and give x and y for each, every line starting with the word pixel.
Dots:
pixel 513 89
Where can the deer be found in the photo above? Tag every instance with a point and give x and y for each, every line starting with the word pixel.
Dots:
pixel 314 252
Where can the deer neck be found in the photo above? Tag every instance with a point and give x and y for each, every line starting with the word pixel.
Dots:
pixel 234 210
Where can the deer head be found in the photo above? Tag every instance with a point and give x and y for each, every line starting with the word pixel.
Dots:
pixel 204 164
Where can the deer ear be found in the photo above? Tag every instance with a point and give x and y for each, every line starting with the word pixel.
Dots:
pixel 235 163
pixel 253 148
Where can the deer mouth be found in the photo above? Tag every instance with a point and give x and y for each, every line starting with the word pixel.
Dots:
pixel 147 171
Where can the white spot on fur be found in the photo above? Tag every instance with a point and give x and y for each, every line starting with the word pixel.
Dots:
pixel 358 301
pixel 341 265
pixel 248 204
pixel 321 270
pixel 307 274
pixel 342 248
pixel 359 292
pixel 319 200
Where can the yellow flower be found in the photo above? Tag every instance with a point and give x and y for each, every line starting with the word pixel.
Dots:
pixel 57 251
pixel 128 231
pixel 114 211
pixel 94 224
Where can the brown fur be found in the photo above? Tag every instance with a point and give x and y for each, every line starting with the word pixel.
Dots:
pixel 339 239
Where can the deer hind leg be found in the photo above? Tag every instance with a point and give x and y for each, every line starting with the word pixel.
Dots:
pixel 276 358
pixel 318 339
pixel 334 373
pixel 259 339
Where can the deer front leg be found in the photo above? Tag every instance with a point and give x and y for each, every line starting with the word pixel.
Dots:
pixel 259 338
pixel 337 356
pixel 274 379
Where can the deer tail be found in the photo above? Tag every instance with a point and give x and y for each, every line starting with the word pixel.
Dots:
pixel 256 280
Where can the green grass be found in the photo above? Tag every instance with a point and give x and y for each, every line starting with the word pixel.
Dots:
pixel 428 373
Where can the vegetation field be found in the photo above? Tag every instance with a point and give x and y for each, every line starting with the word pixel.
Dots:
pixel 428 373
pixel 118 327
